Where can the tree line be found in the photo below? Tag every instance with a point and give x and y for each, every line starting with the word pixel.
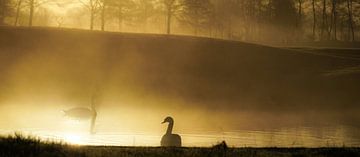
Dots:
pixel 245 20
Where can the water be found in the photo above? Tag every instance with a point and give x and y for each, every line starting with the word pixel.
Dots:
pixel 328 136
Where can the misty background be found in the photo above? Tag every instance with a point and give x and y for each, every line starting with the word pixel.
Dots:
pixel 260 21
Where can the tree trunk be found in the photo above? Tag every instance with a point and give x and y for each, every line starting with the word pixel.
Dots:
pixel 314 18
pixel 18 6
pixel 168 25
pixel 3 11
pixel 31 5
pixel 334 18
pixel 120 17
pixel 351 26
pixel 103 7
pixel 324 20
pixel 92 21
pixel 92 12
pixel 298 24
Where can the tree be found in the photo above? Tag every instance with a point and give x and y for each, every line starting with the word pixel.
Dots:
pixel 169 4
pixel 122 10
pixel 171 8
pixel 196 13
pixel 103 5
pixel 350 19
pixel 284 18
pixel 334 18
pixel 314 19
pixel 5 10
pixel 324 20
pixel 92 6
pixel 145 10
pixel 33 4
pixel 300 6
pixel 18 7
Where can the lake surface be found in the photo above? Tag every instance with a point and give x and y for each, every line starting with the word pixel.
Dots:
pixel 327 136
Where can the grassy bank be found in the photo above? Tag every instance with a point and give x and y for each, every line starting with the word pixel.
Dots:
pixel 18 146
pixel 200 72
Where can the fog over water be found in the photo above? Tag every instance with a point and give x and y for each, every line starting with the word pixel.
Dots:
pixel 246 94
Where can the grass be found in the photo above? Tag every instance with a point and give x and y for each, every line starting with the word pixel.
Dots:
pixel 18 145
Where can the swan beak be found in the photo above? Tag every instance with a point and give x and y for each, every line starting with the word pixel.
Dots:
pixel 163 122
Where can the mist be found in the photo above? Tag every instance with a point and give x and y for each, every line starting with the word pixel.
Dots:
pixel 222 69
pixel 137 80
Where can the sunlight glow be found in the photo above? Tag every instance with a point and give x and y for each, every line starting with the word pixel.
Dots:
pixel 73 139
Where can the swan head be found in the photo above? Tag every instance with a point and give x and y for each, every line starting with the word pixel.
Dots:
pixel 168 120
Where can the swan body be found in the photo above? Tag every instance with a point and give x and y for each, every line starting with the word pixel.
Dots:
pixel 170 139
pixel 83 113
pixel 79 113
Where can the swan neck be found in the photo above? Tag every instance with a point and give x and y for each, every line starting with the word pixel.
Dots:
pixel 170 128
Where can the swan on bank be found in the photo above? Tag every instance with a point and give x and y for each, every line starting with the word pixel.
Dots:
pixel 170 139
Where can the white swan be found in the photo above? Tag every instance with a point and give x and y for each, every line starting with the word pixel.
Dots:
pixel 170 139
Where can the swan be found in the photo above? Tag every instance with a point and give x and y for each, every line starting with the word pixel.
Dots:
pixel 170 139
pixel 83 113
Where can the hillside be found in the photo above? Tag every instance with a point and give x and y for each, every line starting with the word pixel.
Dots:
pixel 187 71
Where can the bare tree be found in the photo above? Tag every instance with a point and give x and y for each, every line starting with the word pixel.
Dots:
pixel 33 4
pixel 92 6
pixel 18 8
pixel 196 14
pixel 169 5
pixel 59 21
pixel 350 19
pixel 299 21
pixel 314 19
pixel 334 19
pixel 122 9
pixel 102 4
pixel 5 10
pixel 324 19
pixel 31 13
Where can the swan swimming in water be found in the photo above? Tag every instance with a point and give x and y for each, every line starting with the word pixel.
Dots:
pixel 84 113
pixel 170 139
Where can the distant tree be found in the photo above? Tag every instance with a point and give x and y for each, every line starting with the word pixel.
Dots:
pixel 145 10
pixel 284 17
pixel 5 10
pixel 350 19
pixel 324 20
pixel 122 10
pixel 196 13
pixel 169 5
pixel 171 8
pixel 18 8
pixel 59 20
pixel 314 18
pixel 103 4
pixel 32 5
pixel 92 6
pixel 333 19
pixel 300 11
